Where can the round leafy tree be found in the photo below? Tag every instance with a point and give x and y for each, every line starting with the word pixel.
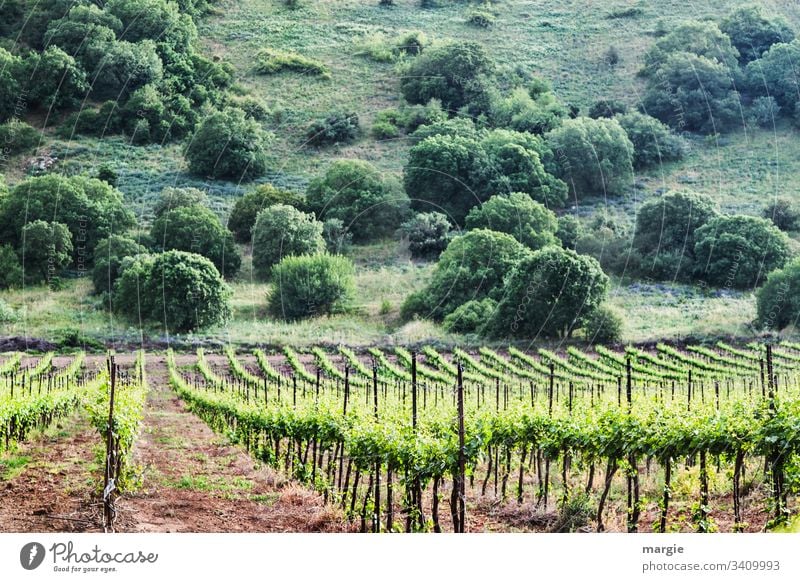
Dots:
pixel 778 301
pixel 459 74
pixel 371 205
pixel 178 290
pixel 702 39
pixel 109 255
pixel 123 67
pixel 174 198
pixel 472 266
pixel 227 144
pixel 470 317
pixel 10 269
pixel 9 86
pixel 281 231
pixel 549 294
pixel 46 249
pixel 753 34
pixel 518 215
pixel 54 79
pixel 196 229
pixel 783 213
pixel 245 209
pixel 739 251
pixel 773 75
pixel 428 234
pixel 604 326
pixel 311 285
pixel 653 142
pixel 595 156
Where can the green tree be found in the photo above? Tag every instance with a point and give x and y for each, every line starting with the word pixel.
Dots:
pixel 196 229
pixel 604 326
pixel 470 317
pixel 46 249
pixel 665 232
pixel 227 144
pixel 549 294
pixel 595 156
pixel 702 39
pixel 245 209
pixel 739 251
pixel 472 266
pixel 774 74
pixel 693 93
pixel 54 80
pixel 371 205
pixel 181 291
pixel 174 198
pixel 569 231
pixel 10 66
pixel 428 234
pixel 459 75
pixel 653 142
pixel 123 67
pixel 109 255
pixel 753 34
pixel 90 208
pixel 520 216
pixel 537 113
pixel 10 269
pixel 783 213
pixel 311 285
pixel 83 27
pixel 778 301
pixel 281 231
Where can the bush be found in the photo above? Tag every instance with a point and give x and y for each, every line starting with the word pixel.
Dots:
pixel 414 116
pixel 783 214
pixel 54 80
pixel 459 75
pixel 310 286
pixel 281 231
pixel 337 127
pixel 384 130
pixel 472 266
pixel 692 93
pixel 10 268
pixel 548 294
pixel 17 137
pixel 271 61
pixel 603 326
pixel 46 248
pixel 7 314
pixel 196 229
pixel 252 106
pixel 456 126
pixel 370 205
pixel 109 255
pixel 123 67
pixel 778 301
pixel 174 198
pixel 10 66
pixel 245 209
pixel 529 110
pixel 520 216
pixel 595 156
pixel 428 234
pixel 338 239
pixel 90 208
pixel 701 39
pixel 227 144
pixel 180 291
pixel 379 48
pixel 764 111
pixel 753 34
pixel 739 251
pixel 607 108
pixel 569 231
pixel 107 174
pixel 470 317
pixel 480 18
pixel 653 142
pixel 772 75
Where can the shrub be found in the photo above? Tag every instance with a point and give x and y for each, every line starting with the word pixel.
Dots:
pixel 607 108
pixel 123 67
pixel 520 216
pixel 701 39
pixel 459 75
pixel 384 130
pixel 271 61
pixel 310 286
pixel 783 214
pixel 370 205
pixel 245 209
pixel 764 111
pixel 46 249
pixel 17 137
pixel 529 110
pixel 595 156
pixel 109 255
pixel 252 106
pixel 456 126
pixel 196 229
pixel 653 142
pixel 10 269
pixel 174 198
pixel 337 238
pixel 753 34
pixel 480 18
pixel 179 290
pixel 772 75
pixel 7 314
pixel 739 251
pixel 470 317
pixel 603 326
pixel 611 57
pixel 337 127
pixel 778 301
pixel 227 144
pixel 9 86
pixel 428 234
pixel 107 174
pixel 54 80
pixel 281 231
pixel 378 47
pixel 472 266
pixel 548 294
pixel 568 231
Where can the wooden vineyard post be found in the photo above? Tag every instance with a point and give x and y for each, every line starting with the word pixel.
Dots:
pixel 460 482
pixel 689 393
pixel 414 391
pixel 346 389
pixel 109 484
pixel 376 520
pixel 550 394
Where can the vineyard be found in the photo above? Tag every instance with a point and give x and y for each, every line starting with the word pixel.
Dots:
pixel 663 439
